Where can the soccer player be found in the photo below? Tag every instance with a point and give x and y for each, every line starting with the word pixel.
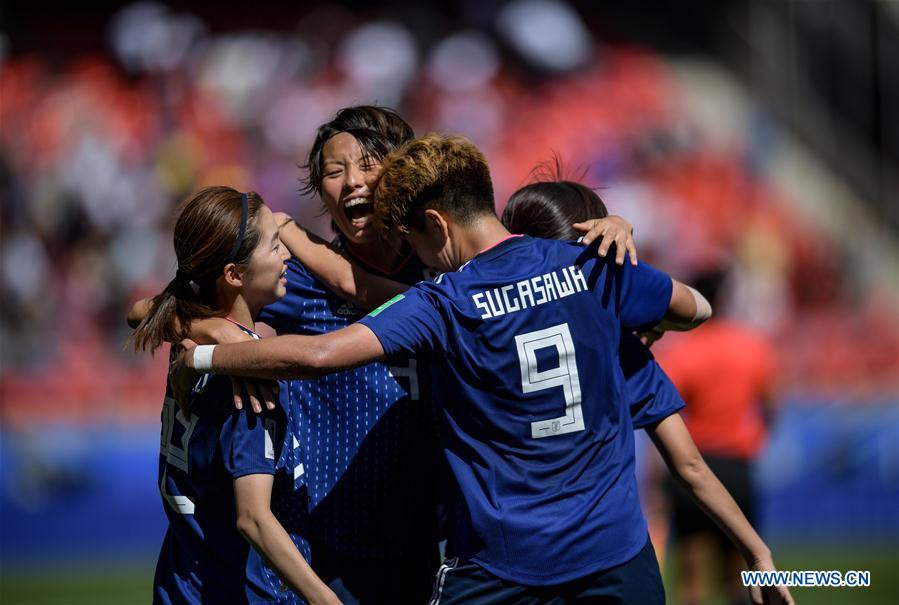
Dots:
pixel 521 339
pixel 733 420
pixel 226 476
pixel 367 435
pixel 727 374
pixel 550 210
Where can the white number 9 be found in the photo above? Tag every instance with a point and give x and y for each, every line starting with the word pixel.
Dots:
pixel 564 375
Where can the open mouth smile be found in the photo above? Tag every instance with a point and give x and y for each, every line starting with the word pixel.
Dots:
pixel 358 211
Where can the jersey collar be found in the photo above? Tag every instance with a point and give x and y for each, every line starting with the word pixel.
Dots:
pixel 498 248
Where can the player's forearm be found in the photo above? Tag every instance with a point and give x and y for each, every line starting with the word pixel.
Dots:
pixel 263 531
pixel 687 465
pixel 290 357
pixel 210 330
pixel 686 310
pixel 336 270
pixel 720 506
pixel 281 358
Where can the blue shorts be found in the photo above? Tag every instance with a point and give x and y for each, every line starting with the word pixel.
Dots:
pixel 636 581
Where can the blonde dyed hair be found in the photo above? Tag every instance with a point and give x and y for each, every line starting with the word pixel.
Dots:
pixel 443 172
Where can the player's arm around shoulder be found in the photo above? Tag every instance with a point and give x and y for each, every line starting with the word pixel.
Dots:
pixel 687 309
pixel 607 231
pixel 260 527
pixel 334 268
pixel 211 330
pixel 289 357
pixel 676 446
pixel 217 330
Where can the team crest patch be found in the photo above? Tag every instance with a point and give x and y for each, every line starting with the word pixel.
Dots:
pixel 392 301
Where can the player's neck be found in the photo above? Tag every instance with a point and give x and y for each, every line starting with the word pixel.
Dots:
pixel 236 307
pixel 481 235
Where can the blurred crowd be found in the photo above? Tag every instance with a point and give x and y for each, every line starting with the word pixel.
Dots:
pixel 96 150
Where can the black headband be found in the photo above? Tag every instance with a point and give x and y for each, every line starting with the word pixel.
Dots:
pixel 244 213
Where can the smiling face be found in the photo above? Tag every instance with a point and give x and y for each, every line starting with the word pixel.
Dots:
pixel 264 277
pixel 348 178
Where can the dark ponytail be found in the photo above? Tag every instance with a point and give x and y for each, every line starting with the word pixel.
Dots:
pixel 214 227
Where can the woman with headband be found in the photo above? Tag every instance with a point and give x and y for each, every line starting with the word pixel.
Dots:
pixel 228 478
pixel 370 472
pixel 517 331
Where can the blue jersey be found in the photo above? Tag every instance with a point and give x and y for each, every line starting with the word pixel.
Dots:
pixel 368 435
pixel 204 559
pixel 533 411
pixel 651 394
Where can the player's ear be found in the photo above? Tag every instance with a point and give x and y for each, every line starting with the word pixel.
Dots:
pixel 436 224
pixel 233 275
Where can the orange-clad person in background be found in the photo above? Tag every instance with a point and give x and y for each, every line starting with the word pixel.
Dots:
pixel 726 374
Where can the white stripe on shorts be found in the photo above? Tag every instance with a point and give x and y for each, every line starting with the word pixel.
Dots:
pixel 441 576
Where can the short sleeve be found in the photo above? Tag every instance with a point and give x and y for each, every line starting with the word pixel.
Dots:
pixel 252 443
pixel 409 323
pixel 650 393
pixel 658 402
pixel 644 295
